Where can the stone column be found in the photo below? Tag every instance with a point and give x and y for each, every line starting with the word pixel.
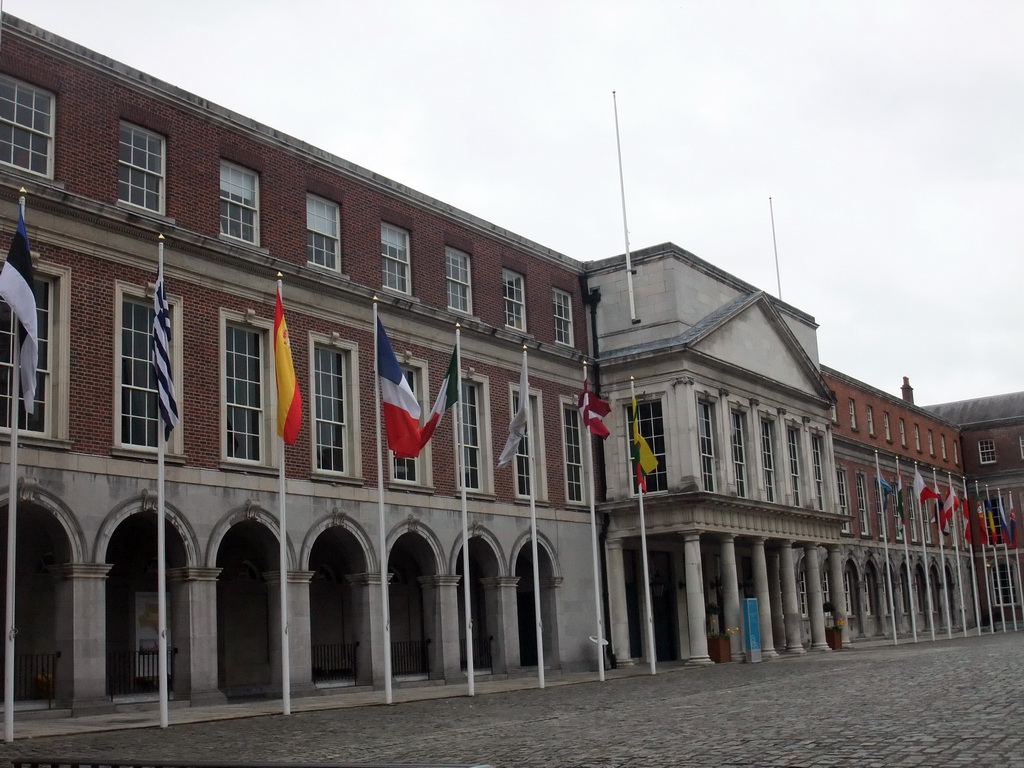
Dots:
pixel 500 594
pixel 814 603
pixel 837 595
pixel 367 616
pixel 441 618
pixel 682 622
pixel 618 619
pixel 731 593
pixel 549 587
pixel 300 671
pixel 193 625
pixel 775 597
pixel 695 601
pixel 790 603
pixel 80 599
pixel 764 608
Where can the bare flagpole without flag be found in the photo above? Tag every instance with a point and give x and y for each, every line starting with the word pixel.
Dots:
pixel 775 247
pixel 460 459
pixel 901 507
pixel 625 226
pixel 651 654
pixel 974 575
pixel 884 519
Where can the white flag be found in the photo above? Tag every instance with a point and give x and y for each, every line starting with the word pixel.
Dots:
pixel 517 427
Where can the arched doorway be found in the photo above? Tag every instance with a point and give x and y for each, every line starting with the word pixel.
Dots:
pixel 871 605
pixel 525 606
pixel 483 564
pixel 338 610
pixel 132 620
pixel 409 560
pixel 854 604
pixel 247 552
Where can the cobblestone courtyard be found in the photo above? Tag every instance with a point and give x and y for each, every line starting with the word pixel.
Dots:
pixel 948 703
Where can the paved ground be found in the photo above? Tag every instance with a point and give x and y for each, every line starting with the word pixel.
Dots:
pixel 948 703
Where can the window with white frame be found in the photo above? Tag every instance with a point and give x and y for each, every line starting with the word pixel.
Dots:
pixel 793 446
pixel 1020 439
pixel 572 443
pixel 917 438
pixel 323 244
pixel 531 442
pixel 987 451
pixel 563 317
pixel 472 441
pixel 1005 584
pixel 826 588
pixel 706 426
pixel 768 458
pixel 26 127
pixel 394 252
pixel 331 374
pixel 956 454
pixel 885 426
pixel 862 505
pixel 816 466
pixel 848 592
pixel 871 420
pixel 515 299
pixel 942 447
pixel 408 470
pixel 835 414
pixel 38 421
pixel 911 511
pixel 844 497
pixel 239 203
pixel 140 169
pixel 802 593
pixel 931 443
pixel 903 433
pixel 244 397
pixel 456 266
pixel 853 414
pixel 139 413
pixel 651 424
pixel 739 451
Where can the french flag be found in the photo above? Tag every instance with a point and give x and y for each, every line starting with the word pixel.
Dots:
pixel 401 410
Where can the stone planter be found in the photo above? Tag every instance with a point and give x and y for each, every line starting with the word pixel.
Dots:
pixel 720 649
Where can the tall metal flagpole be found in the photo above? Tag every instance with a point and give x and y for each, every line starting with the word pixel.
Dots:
pixel 924 553
pixel 956 548
pixel 974 575
pixel 161 537
pixel 1006 557
pixel 647 570
pixel 884 519
pixel 775 247
pixel 1016 546
pixel 12 518
pixel 906 549
pixel 460 468
pixel 588 462
pixel 384 596
pixel 989 592
pixel 625 227
pixel 942 559
pixel 286 682
pixel 530 440
pixel 997 579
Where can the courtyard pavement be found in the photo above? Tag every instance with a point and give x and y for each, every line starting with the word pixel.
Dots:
pixel 947 703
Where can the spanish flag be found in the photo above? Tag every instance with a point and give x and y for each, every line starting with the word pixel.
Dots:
pixel 289 398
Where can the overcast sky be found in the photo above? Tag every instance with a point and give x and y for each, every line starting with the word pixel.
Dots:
pixel 888 135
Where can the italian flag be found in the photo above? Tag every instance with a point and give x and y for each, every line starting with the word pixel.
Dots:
pixel 446 398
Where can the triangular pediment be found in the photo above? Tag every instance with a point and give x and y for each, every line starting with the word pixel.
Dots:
pixel 752 336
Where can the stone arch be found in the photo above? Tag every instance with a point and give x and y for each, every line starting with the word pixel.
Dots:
pixel 543 544
pixel 488 538
pixel 146 502
pixel 250 510
pixel 29 491
pixel 338 519
pixel 412 524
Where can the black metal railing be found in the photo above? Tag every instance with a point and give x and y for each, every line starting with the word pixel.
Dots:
pixel 410 657
pixel 135 672
pixel 334 662
pixel 482 657
pixel 35 676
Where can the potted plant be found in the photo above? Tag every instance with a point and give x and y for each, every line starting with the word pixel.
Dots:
pixel 834 634
pixel 720 645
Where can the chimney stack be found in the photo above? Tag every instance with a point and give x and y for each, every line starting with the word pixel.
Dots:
pixel 908 391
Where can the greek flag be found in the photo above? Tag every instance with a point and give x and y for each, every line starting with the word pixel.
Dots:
pixel 161 356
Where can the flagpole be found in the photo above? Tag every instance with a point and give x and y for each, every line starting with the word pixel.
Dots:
pixel 286 693
pixel 530 445
pixel 956 548
pixel 884 518
pixel 974 575
pixel 900 501
pixel 647 572
pixel 1006 555
pixel 1020 586
pixel 989 592
pixel 384 596
pixel 940 508
pixel 461 474
pixel 924 553
pixel 625 227
pixel 12 518
pixel 589 464
pixel 997 580
pixel 161 538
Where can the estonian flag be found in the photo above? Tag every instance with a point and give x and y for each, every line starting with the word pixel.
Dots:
pixel 17 287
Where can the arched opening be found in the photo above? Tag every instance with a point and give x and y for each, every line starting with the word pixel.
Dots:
pixel 854 607
pixel 871 605
pixel 338 608
pixel 526 598
pixel 409 561
pixel 486 629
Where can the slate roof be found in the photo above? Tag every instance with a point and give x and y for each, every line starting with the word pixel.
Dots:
pixel 992 408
